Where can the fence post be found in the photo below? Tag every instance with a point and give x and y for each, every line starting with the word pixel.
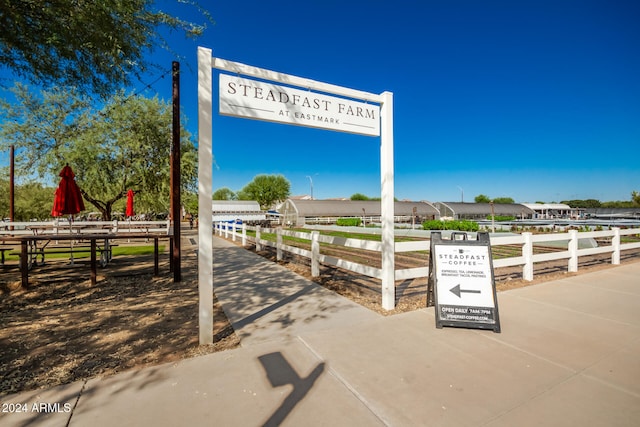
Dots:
pixel 226 230
pixel 233 231
pixel 258 245
pixel 244 234
pixel 615 242
pixel 315 254
pixel 573 251
pixel 279 243
pixel 220 228
pixel 527 254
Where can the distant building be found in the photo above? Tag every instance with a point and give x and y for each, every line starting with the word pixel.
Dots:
pixel 554 211
pixel 300 212
pixel 612 213
pixel 231 210
pixel 479 211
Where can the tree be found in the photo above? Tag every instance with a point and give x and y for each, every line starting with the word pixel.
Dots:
pixel 93 45
pixel 123 146
pixel 635 198
pixel 189 201
pixel 503 200
pixel 42 125
pixel 32 200
pixel 589 203
pixel 224 194
pixel 266 190
pixel 359 196
pixel 481 198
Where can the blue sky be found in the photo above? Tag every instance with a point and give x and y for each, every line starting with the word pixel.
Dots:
pixel 534 100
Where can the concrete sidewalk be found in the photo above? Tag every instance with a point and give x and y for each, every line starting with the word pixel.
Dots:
pixel 567 355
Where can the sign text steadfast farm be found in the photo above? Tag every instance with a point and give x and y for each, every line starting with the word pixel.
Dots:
pixel 242 97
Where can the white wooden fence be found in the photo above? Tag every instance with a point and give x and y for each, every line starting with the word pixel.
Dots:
pixel 526 240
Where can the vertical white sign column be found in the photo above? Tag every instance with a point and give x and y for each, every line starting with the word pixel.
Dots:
pixel 387 208
pixel 205 190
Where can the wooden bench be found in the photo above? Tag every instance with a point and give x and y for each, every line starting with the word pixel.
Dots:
pixel 30 247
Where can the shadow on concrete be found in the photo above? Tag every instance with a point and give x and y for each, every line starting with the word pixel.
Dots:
pixel 281 373
pixel 261 298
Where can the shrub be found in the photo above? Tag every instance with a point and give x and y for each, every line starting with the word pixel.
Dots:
pixel 349 222
pixel 463 225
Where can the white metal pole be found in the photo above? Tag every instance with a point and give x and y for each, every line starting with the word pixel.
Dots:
pixel 205 190
pixel 387 195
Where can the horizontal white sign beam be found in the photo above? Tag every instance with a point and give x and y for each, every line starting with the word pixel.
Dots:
pixel 275 76
pixel 254 99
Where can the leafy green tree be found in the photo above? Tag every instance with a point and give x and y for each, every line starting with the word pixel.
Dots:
pixel 41 125
pixel 189 200
pixel 635 198
pixel 266 190
pixel 224 194
pixel 359 196
pixel 123 146
pixel 93 45
pixel 32 200
pixel 481 198
pixel 503 200
pixel 589 203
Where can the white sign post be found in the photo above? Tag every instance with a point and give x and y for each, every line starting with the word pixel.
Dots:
pixel 256 99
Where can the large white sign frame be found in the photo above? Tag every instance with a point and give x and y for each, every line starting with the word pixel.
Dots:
pixel 206 63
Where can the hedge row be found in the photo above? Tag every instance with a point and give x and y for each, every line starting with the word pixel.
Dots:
pixel 349 222
pixel 461 225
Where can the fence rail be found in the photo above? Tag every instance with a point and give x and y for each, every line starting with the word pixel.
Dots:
pixel 525 243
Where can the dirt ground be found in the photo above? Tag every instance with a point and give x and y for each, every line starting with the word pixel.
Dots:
pixel 61 329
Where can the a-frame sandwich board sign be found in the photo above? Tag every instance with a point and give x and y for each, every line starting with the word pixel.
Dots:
pixel 461 282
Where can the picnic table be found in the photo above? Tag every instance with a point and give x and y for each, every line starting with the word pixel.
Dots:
pixel 37 246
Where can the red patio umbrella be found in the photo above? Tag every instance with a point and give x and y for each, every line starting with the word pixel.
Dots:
pixel 129 212
pixel 67 199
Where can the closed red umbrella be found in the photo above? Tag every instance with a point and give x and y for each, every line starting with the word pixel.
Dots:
pixel 129 212
pixel 67 199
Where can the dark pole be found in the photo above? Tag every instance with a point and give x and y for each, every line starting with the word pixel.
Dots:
pixel 11 184
pixel 175 173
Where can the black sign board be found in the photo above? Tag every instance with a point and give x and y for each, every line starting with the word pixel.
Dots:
pixel 461 282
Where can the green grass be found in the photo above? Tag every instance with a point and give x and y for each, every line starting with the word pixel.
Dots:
pixel 136 250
